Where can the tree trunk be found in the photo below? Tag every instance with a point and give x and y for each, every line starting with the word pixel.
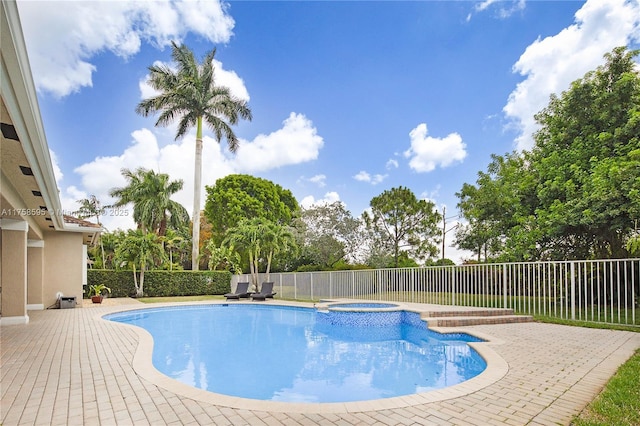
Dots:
pixel 135 279
pixel 269 257
pixel 252 271
pixel 197 183
pixel 162 229
pixel 140 291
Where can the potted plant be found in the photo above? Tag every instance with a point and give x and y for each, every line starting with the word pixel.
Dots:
pixel 96 292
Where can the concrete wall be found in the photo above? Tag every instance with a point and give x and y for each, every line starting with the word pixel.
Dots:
pixel 63 266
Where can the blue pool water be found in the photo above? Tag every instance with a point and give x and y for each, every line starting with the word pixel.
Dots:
pixel 303 355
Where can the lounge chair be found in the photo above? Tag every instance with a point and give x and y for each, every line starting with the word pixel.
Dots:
pixel 242 292
pixel 266 291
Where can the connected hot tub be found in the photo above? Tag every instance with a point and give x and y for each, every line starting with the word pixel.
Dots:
pixel 361 314
pixel 364 306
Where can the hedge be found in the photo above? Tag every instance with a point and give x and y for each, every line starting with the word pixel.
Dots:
pixel 163 283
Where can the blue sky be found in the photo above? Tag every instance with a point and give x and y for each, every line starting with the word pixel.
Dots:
pixel 349 98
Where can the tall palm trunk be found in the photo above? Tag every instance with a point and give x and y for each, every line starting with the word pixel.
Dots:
pixel 100 239
pixel 140 290
pixel 253 271
pixel 135 280
pixel 197 181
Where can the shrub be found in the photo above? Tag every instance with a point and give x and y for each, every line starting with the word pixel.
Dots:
pixel 163 283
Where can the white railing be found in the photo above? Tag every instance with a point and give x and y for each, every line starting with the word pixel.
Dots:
pixel 587 290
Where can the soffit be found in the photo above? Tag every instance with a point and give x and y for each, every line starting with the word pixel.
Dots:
pixel 23 199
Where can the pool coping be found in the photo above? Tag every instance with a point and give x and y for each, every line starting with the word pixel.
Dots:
pixel 142 364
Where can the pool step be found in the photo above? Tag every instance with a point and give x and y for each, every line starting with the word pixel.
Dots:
pixel 461 321
pixel 477 312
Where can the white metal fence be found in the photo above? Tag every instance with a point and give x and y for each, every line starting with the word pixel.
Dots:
pixel 588 290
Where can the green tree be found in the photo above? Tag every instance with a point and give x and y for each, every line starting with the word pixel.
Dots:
pixel 237 197
pixel 500 210
pixel 400 222
pixel 92 207
pixel 110 242
pixel 587 136
pixel 276 239
pixel 222 258
pixel 260 240
pixel 189 92
pixel 246 237
pixel 150 193
pixel 575 194
pixel 142 249
pixel 328 234
pixel 171 241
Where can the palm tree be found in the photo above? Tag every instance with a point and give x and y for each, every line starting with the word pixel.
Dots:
pixel 261 239
pixel 277 238
pixel 247 237
pixel 171 241
pixel 91 207
pixel 190 94
pixel 111 241
pixel 150 192
pixel 140 248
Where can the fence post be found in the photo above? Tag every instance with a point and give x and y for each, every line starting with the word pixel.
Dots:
pixel 353 283
pixel 573 290
pixel 454 281
pixel 311 285
pixel 330 284
pixel 504 286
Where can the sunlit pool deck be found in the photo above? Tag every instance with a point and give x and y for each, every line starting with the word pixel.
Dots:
pixel 70 366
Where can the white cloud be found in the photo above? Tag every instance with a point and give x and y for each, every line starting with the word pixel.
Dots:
pixel 431 195
pixel 102 174
pixel 63 36
pixel 551 64
pixel 231 80
pixel 57 172
pixel 296 142
pixel 329 197
pixel 363 176
pixel 426 152
pixel 504 8
pixel 392 164
pixel 320 180
pixel 483 5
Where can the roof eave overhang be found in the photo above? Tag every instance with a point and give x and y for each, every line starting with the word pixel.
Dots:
pixel 19 93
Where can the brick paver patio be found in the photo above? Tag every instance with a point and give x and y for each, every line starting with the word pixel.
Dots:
pixel 70 367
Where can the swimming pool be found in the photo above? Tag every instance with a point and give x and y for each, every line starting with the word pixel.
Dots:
pixel 291 354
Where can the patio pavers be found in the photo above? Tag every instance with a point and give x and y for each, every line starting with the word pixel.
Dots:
pixel 70 367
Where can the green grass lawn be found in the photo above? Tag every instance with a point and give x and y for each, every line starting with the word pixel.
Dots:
pixel 619 402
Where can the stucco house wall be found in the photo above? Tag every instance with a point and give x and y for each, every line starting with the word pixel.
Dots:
pixel 63 268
